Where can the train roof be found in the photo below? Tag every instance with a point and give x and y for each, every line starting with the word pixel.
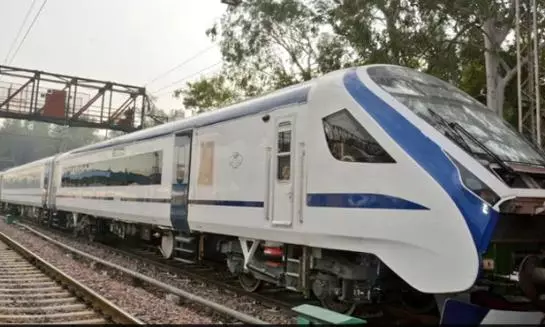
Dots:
pixel 290 95
pixel 28 164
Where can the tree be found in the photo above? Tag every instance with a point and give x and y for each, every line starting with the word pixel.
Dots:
pixel 73 137
pixel 269 44
pixel 207 94
pixel 487 27
pixel 153 117
pixel 266 45
pixel 443 38
pixel 24 141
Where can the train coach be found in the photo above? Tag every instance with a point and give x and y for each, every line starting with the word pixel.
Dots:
pixel 375 184
pixel 26 187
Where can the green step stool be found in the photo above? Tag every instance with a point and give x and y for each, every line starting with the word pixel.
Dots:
pixel 314 315
pixel 10 219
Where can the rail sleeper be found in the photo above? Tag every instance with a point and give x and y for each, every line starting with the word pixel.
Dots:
pixel 33 291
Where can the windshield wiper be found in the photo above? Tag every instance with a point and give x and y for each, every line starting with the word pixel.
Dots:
pixel 453 134
pixel 457 128
pixel 497 159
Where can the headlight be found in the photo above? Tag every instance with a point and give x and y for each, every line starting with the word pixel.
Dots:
pixel 477 186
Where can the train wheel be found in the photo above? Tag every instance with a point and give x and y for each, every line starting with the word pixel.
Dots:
pixel 90 233
pixel 338 306
pixel 249 282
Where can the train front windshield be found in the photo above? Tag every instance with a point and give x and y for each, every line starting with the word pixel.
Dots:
pixel 440 103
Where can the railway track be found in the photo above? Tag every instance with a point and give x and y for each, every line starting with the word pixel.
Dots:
pixel 33 291
pixel 209 273
pixel 273 298
pixel 136 276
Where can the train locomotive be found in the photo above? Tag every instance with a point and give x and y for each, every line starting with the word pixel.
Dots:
pixel 368 185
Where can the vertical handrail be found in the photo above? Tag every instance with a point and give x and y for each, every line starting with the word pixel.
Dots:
pixel 267 181
pixel 302 182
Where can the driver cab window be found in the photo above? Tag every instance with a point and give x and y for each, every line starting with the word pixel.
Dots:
pixel 349 141
pixel 283 154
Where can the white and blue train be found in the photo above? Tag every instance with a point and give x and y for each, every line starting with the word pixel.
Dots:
pixel 371 184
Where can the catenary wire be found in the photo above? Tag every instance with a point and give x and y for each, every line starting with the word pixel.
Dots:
pixel 28 31
pixel 181 64
pixel 19 31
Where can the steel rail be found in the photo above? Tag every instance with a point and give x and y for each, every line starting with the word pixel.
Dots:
pixel 100 304
pixel 242 317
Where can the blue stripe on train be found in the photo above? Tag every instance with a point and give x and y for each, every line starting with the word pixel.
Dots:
pixel 228 203
pixel 346 200
pixel 361 200
pixel 480 218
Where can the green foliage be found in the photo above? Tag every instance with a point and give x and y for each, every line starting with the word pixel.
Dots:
pixel 24 141
pixel 270 44
pixel 266 45
pixel 206 94
pixel 382 31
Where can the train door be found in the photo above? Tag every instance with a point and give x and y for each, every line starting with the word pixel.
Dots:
pixel 45 188
pixel 52 184
pixel 283 178
pixel 180 181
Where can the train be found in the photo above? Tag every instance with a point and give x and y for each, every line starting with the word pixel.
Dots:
pixel 367 185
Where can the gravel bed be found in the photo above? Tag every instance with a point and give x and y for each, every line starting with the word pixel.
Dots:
pixel 135 300
pixel 228 298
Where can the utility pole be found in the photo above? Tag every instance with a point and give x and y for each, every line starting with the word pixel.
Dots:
pixel 529 70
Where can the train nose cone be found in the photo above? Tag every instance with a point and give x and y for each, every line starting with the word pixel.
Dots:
pixel 532 279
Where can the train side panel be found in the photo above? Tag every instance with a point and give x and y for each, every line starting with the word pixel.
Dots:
pixel 129 182
pixel 25 185
pixel 236 187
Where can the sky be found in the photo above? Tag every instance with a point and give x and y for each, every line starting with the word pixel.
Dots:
pixel 124 41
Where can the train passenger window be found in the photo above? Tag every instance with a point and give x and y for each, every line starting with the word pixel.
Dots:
pixel 22 180
pixel 349 141
pixel 140 169
pixel 283 154
pixel 181 162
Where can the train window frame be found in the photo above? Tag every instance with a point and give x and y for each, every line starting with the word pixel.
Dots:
pixel 27 179
pixel 181 150
pixel 358 133
pixel 121 167
pixel 283 127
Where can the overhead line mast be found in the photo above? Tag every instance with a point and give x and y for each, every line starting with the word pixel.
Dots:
pixel 529 80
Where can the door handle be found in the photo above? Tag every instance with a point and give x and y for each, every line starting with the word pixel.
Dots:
pixel 268 183
pixel 290 195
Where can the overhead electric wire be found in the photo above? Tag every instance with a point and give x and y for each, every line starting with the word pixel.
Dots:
pixel 20 30
pixel 28 31
pixel 185 78
pixel 181 64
